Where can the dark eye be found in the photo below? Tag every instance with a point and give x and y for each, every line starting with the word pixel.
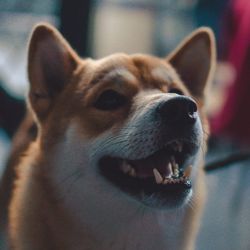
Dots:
pixel 110 100
pixel 175 91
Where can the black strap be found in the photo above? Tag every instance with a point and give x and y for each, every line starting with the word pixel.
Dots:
pixel 227 161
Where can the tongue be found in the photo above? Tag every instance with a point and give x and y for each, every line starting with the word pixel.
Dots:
pixel 144 168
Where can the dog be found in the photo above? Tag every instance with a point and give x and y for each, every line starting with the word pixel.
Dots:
pixel 117 162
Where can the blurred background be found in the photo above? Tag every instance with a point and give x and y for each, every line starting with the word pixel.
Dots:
pixel 101 27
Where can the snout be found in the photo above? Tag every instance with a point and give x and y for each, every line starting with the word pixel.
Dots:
pixel 177 110
pixel 157 151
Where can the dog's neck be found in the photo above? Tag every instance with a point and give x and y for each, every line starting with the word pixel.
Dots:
pixel 141 230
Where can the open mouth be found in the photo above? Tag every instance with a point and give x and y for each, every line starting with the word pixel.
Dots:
pixel 159 180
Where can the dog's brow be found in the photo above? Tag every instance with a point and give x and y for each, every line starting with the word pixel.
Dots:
pixel 160 73
pixel 114 75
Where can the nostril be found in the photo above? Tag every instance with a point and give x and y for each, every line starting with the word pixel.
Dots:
pixel 192 109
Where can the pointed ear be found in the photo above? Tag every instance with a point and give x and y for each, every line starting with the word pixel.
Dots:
pixel 51 63
pixel 194 60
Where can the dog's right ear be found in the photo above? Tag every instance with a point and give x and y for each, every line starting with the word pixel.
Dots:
pixel 51 63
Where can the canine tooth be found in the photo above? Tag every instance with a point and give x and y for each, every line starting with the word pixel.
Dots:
pixel 157 175
pixel 132 172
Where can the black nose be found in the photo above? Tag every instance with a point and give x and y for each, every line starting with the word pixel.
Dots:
pixel 178 109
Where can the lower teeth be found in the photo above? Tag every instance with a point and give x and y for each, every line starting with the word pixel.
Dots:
pixel 167 180
pixel 175 175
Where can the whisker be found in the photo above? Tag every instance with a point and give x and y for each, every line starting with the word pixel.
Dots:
pixel 70 176
pixel 74 177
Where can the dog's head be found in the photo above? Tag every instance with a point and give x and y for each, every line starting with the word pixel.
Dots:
pixel 127 124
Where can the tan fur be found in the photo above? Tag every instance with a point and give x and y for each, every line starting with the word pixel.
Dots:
pixel 25 134
pixel 38 216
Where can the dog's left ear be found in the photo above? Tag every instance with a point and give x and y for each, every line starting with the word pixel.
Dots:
pixel 194 60
pixel 51 63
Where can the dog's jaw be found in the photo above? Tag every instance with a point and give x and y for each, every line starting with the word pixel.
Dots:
pixel 117 222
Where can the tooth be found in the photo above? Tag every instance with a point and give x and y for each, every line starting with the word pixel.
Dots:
pixel 172 165
pixel 166 180
pixel 170 181
pixel 176 170
pixel 179 146
pixel 175 166
pixel 125 167
pixel 132 172
pixel 171 170
pixel 158 177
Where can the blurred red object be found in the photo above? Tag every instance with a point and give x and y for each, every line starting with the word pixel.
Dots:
pixel 233 120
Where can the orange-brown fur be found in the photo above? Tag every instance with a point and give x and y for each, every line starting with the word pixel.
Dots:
pixel 37 218
pixel 25 134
